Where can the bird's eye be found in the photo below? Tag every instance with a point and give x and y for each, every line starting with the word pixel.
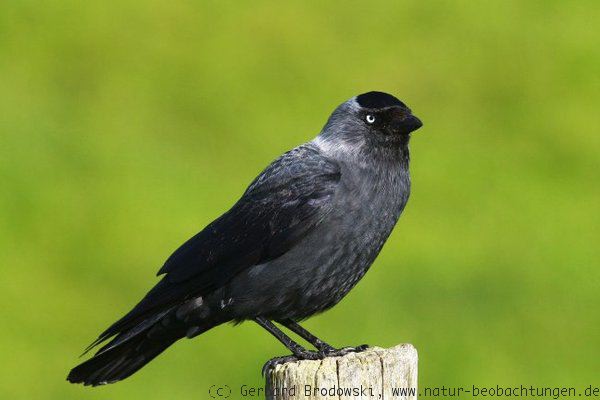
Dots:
pixel 370 118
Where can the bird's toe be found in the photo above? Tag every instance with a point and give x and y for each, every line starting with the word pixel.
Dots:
pixel 346 350
pixel 360 348
pixel 273 362
pixel 301 355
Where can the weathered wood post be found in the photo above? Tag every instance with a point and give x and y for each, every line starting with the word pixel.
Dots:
pixel 375 373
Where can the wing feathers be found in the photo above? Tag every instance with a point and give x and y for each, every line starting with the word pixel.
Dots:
pixel 283 204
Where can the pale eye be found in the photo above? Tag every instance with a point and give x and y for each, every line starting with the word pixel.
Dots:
pixel 370 118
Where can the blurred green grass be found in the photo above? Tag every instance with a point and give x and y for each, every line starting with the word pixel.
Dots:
pixel 126 127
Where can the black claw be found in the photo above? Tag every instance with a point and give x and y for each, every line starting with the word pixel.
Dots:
pixel 300 355
pixel 308 355
pixel 273 362
pixel 311 355
pixel 345 350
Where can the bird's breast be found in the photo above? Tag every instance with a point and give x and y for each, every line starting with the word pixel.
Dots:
pixel 322 268
pixel 367 209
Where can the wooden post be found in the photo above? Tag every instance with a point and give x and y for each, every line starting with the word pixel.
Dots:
pixel 375 373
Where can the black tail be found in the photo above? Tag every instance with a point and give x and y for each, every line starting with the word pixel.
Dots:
pixel 133 348
pixel 119 362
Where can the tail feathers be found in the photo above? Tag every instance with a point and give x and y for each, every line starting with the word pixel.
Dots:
pixel 129 351
pixel 119 362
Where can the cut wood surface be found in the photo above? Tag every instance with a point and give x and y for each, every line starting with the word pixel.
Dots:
pixel 375 373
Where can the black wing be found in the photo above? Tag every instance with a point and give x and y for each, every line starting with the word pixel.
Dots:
pixel 282 205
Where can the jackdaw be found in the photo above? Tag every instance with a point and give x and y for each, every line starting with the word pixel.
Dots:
pixel 300 237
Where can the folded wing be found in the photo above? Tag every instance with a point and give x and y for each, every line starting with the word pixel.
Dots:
pixel 284 203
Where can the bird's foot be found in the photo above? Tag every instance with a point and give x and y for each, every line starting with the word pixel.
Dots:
pixel 311 355
pixel 300 355
pixel 343 351
pixel 273 362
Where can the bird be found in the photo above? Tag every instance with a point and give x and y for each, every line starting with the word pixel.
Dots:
pixel 301 236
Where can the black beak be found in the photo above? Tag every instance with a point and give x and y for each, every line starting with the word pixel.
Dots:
pixel 409 124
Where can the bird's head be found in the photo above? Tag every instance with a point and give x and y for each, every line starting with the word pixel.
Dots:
pixel 372 120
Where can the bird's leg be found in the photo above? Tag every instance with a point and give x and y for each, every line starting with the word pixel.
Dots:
pixel 297 350
pixel 323 347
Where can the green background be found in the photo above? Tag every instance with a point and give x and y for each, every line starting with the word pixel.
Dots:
pixel 127 127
